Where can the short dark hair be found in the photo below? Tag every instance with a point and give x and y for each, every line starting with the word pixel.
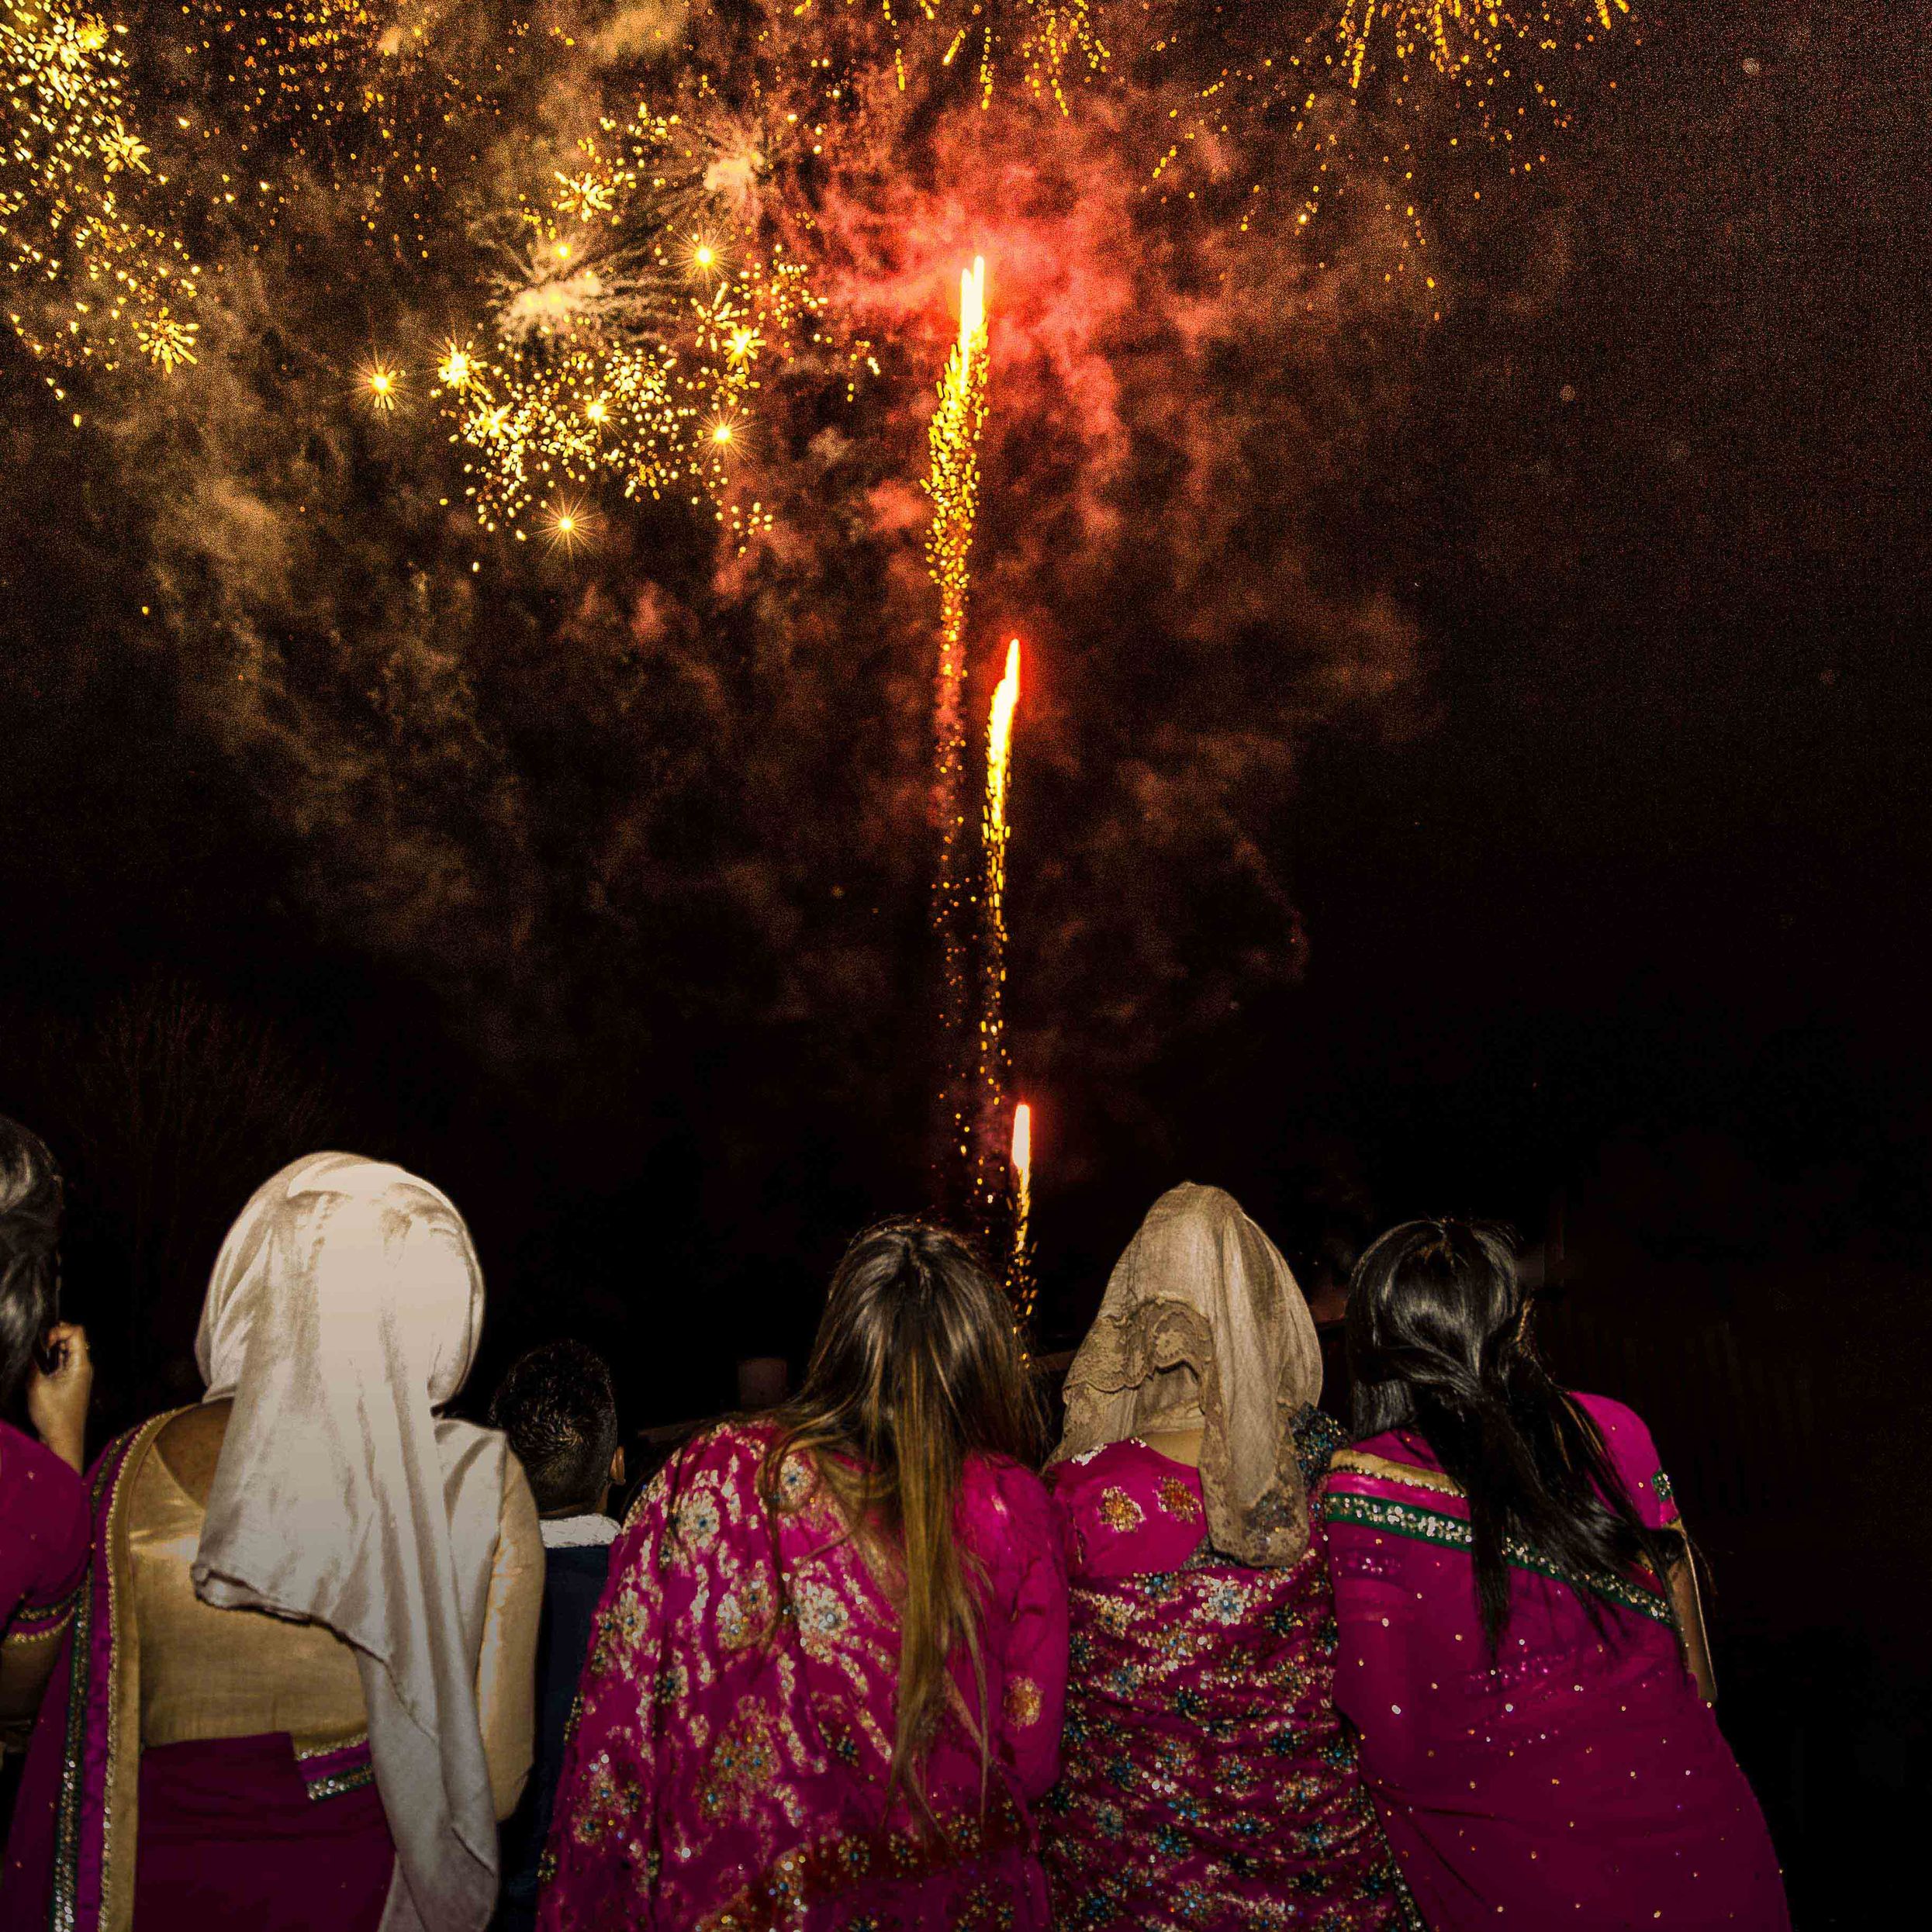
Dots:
pixel 557 1409
pixel 30 1201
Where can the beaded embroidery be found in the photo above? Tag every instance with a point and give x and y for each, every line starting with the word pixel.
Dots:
pixel 823 1871
pixel 1453 1533
pixel 331 1770
pixel 32 1623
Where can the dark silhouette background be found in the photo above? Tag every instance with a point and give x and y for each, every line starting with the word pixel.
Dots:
pixel 1617 931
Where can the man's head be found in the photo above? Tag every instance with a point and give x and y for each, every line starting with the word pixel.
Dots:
pixel 556 1408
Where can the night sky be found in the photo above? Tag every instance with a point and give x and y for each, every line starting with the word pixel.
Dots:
pixel 1473 755
pixel 1469 728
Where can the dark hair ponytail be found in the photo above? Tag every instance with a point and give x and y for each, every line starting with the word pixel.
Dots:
pixel 1438 1342
pixel 30 1201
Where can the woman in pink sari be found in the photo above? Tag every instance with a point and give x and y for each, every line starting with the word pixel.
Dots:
pixel 825 1685
pixel 1519 1627
pixel 296 1693
pixel 42 1503
pixel 1209 1783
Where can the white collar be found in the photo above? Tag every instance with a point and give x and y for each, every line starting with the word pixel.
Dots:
pixel 576 1532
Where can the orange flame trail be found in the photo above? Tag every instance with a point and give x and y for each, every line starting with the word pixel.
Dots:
pixel 989 1177
pixel 1022 1285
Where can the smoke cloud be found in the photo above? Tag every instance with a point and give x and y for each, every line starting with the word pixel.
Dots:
pixel 605 800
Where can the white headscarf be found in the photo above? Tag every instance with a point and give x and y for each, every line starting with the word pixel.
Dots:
pixel 344 1310
pixel 1202 1326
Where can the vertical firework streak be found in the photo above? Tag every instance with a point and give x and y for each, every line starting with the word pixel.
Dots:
pixel 952 481
pixel 1020 1283
pixel 989 1139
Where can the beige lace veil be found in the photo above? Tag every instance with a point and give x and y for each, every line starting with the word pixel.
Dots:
pixel 1203 1326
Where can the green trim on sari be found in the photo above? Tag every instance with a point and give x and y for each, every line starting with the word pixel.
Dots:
pixel 1449 1532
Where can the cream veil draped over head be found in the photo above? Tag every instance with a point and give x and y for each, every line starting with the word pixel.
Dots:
pixel 1202 1326
pixel 344 1310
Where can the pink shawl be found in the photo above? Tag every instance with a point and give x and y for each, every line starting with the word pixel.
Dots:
pixel 726 1768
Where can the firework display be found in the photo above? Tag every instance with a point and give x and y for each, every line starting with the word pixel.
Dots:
pixel 989 1176
pixel 626 316
pixel 96 281
pixel 633 314
pixel 952 483
pixel 611 323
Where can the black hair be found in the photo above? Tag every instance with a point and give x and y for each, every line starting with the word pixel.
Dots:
pixel 1439 1342
pixel 557 1409
pixel 30 1204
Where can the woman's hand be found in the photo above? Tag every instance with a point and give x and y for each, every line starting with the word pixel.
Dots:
pixel 57 1396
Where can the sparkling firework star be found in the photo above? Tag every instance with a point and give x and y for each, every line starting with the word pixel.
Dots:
pixel 380 384
pixel 632 316
pixel 568 526
pixel 952 481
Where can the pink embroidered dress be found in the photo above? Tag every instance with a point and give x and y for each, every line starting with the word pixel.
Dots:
pixel 726 1770
pixel 1580 1780
pixel 1207 1782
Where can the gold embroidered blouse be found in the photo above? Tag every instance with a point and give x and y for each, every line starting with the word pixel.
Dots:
pixel 208 1673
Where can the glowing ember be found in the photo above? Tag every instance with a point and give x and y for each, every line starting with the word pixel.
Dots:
pixel 566 526
pixel 381 384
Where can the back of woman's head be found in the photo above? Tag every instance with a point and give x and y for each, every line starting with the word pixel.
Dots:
pixel 917 1366
pixel 1439 1342
pixel 30 1203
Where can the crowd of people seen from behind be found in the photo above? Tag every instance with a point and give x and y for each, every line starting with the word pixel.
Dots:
pixel 314 1654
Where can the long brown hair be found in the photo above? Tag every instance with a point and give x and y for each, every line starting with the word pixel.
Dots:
pixel 917 1366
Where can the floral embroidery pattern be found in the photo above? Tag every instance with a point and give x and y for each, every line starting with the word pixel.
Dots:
pixel 743 1765
pixel 745 1613
pixel 607 1799
pixel 823 1620
pixel 1178 1500
pixel 1022 1701
pixel 830 1867
pixel 796 1481
pixel 1225 1600
pixel 697 1522
pixel 1206 1781
pixel 619 1630
pixel 738 1715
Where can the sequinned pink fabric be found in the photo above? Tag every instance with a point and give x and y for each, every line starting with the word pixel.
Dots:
pixel 727 1768
pixel 44 1529
pixel 1581 1781
pixel 1207 1782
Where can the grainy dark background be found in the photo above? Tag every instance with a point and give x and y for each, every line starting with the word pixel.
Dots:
pixel 1617 932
